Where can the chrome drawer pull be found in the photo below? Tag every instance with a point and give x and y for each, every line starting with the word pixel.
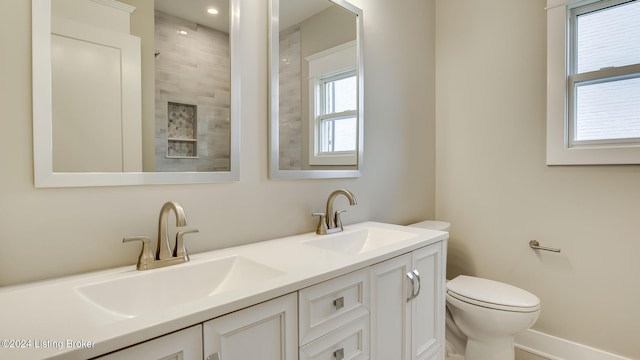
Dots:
pixel 339 303
pixel 339 354
pixel 214 356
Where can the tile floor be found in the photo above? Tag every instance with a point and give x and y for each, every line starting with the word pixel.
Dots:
pixel 520 355
pixel 523 355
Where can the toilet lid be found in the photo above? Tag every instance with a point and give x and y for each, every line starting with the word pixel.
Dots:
pixel 492 294
pixel 433 225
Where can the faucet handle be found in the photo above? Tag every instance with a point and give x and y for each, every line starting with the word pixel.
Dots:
pixel 337 220
pixel 322 223
pixel 146 255
pixel 180 250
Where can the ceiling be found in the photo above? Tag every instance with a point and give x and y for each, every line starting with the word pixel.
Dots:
pixel 294 11
pixel 196 11
pixel 291 11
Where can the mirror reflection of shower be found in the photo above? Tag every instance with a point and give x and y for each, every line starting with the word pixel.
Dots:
pixel 193 92
pixel 135 131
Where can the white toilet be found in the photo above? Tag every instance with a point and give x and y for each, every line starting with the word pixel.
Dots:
pixel 483 316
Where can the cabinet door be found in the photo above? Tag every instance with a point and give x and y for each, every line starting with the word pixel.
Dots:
pixel 181 345
pixel 428 308
pixel 267 331
pixel 390 315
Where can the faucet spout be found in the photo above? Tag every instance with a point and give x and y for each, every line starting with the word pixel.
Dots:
pixel 330 217
pixel 164 248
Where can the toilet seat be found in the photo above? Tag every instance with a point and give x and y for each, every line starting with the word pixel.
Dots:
pixel 492 294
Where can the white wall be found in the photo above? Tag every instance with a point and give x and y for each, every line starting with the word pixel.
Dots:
pixel 46 233
pixel 492 183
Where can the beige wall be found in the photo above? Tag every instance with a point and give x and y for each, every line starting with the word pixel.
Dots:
pixel 46 233
pixel 493 185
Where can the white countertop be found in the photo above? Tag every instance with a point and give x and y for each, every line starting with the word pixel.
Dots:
pixel 51 319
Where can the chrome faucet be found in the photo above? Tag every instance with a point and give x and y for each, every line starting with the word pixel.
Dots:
pixel 163 251
pixel 164 256
pixel 330 222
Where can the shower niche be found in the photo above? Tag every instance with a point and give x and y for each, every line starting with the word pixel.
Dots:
pixel 182 130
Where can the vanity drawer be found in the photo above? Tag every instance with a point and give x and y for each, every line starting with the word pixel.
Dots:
pixel 327 306
pixel 350 342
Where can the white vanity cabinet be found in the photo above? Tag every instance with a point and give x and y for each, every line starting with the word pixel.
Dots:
pixel 181 345
pixel 407 316
pixel 389 310
pixel 378 313
pixel 267 331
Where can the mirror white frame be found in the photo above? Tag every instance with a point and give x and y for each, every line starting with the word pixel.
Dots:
pixel 274 159
pixel 44 176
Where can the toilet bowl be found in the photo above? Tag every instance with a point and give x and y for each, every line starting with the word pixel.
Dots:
pixel 489 314
pixel 483 316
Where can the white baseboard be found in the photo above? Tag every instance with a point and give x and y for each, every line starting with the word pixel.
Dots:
pixel 555 348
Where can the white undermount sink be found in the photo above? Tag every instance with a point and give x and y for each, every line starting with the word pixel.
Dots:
pixel 361 240
pixel 153 290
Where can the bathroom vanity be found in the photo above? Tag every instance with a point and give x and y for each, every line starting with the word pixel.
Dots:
pixel 373 291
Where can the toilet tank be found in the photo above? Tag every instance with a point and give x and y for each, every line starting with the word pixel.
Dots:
pixel 433 225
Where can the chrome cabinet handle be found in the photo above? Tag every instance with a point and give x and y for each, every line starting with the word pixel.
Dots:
pixel 417 275
pixel 214 356
pixel 413 285
pixel 414 276
pixel 339 354
pixel 339 303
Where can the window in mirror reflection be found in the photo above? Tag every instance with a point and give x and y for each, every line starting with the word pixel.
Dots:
pixel 336 122
pixel 317 86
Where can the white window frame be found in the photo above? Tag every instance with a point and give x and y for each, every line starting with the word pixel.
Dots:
pixel 341 59
pixel 561 149
pixel 322 114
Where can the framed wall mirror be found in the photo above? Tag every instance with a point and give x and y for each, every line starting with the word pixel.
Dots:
pixel 135 92
pixel 315 89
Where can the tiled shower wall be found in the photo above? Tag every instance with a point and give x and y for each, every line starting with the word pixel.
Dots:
pixel 193 69
pixel 290 100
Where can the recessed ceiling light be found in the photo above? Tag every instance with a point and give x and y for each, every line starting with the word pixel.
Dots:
pixel 212 11
pixel 182 32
